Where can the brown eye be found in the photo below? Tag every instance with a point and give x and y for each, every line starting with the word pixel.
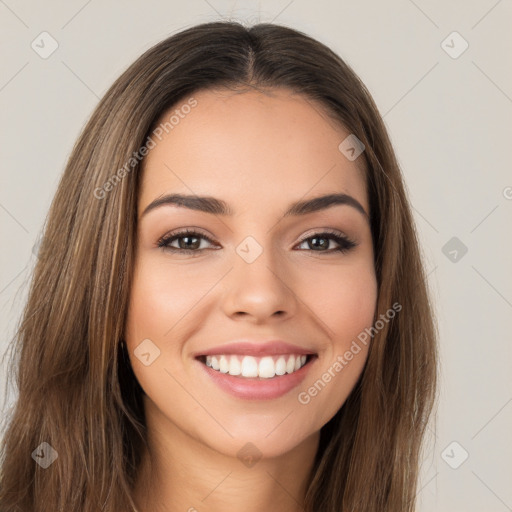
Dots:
pixel 188 241
pixel 320 241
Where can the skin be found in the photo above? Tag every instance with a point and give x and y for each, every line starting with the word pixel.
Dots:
pixel 259 152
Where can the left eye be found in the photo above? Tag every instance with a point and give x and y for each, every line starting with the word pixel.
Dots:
pixel 344 243
pixel 190 242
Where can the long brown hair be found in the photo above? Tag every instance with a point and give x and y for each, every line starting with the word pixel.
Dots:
pixel 76 389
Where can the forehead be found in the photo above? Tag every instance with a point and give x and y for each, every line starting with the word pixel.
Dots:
pixel 249 148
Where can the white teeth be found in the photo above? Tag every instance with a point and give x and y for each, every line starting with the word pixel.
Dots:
pixel 281 366
pixel 223 364
pixel 235 368
pixel 290 365
pixel 265 367
pixel 249 367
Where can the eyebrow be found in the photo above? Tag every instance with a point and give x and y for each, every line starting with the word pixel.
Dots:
pixel 212 205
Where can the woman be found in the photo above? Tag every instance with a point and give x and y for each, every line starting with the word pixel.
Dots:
pixel 229 308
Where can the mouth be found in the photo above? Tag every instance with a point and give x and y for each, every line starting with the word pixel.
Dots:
pixel 255 378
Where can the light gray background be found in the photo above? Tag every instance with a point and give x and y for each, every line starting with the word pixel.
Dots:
pixel 450 122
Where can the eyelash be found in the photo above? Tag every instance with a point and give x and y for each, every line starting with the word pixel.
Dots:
pixel 345 243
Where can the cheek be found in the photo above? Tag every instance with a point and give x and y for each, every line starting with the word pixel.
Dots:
pixel 346 306
pixel 161 298
pixel 344 300
pixel 165 302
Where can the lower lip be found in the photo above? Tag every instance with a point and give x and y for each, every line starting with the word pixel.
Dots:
pixel 255 388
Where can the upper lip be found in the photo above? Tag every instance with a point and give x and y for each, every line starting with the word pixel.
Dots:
pixel 256 348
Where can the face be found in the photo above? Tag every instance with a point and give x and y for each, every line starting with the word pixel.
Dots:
pixel 278 288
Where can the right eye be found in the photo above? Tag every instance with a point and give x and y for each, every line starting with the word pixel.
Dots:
pixel 191 244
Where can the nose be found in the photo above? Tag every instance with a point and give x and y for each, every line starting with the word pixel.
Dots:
pixel 259 291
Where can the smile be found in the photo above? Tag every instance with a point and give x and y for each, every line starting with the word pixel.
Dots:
pixel 266 367
pixel 255 378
